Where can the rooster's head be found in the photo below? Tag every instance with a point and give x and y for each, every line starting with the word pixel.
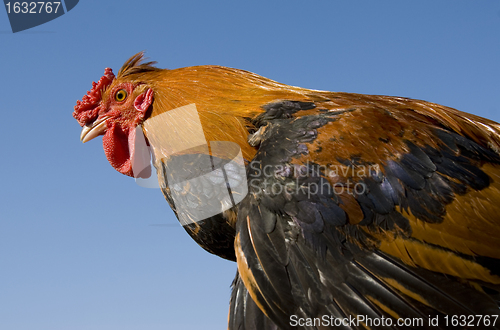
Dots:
pixel 113 108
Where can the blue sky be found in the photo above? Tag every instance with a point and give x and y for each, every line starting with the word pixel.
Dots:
pixel 84 247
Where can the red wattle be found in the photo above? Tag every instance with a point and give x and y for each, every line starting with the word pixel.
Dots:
pixel 116 147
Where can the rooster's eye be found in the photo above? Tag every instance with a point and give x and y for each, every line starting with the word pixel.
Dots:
pixel 121 95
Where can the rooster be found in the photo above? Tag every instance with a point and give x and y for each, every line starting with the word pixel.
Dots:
pixel 351 209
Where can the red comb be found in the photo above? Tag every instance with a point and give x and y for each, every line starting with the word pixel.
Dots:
pixel 87 109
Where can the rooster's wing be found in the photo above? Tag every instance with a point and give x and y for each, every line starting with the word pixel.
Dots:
pixel 386 208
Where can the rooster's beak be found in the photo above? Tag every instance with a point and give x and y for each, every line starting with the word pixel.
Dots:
pixel 97 128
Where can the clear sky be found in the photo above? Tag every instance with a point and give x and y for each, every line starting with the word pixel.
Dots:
pixel 84 247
